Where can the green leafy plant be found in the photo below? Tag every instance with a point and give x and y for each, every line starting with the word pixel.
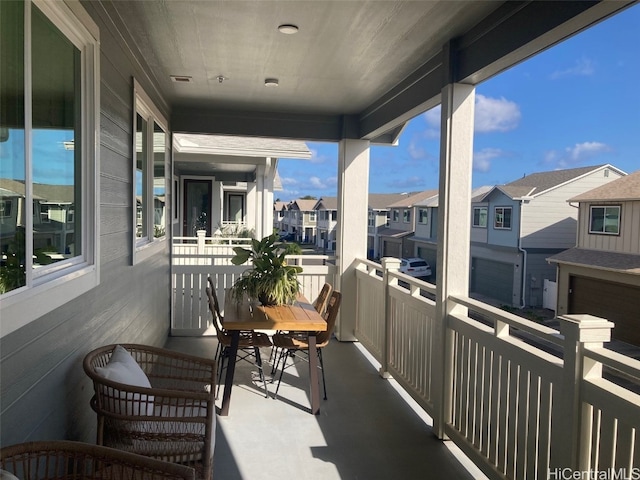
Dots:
pixel 270 279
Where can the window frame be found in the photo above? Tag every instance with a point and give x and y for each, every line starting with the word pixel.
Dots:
pixel 395 215
pixel 148 245
pixel 69 279
pixel 495 218
pixel 605 207
pixel 422 221
pixel 406 215
pixel 486 217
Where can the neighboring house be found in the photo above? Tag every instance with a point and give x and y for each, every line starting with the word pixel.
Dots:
pixel 301 220
pixel 327 215
pixel 379 219
pixel 517 226
pixel 278 215
pixel 396 240
pixel 601 274
pixel 236 193
pixel 426 233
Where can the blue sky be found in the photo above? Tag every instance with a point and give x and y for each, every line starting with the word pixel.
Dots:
pixel 574 105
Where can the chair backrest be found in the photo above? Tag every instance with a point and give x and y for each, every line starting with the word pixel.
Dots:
pixel 320 303
pixel 330 315
pixel 215 311
pixel 214 295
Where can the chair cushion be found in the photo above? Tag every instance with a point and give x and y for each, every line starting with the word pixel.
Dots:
pixel 122 368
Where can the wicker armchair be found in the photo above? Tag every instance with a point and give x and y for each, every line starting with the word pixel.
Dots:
pixel 64 460
pixel 173 420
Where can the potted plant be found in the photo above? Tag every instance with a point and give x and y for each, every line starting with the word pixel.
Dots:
pixel 270 279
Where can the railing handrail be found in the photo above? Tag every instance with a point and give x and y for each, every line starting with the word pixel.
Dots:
pixel 615 360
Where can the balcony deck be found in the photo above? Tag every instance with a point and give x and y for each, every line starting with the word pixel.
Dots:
pixel 366 428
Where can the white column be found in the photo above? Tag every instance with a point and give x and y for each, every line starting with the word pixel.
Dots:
pixel 351 229
pixel 454 205
pixel 253 205
pixel 267 196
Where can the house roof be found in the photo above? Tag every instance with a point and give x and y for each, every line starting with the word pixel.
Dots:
pixel 382 201
pixel 415 198
pixel 278 205
pixel 302 204
pixel 327 203
pixel 394 232
pixel 41 191
pixel 621 189
pixel 538 183
pixel 599 259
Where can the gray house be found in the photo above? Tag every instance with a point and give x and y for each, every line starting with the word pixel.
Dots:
pixel 516 226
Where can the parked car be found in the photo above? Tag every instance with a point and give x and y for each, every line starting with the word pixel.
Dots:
pixel 287 237
pixel 416 267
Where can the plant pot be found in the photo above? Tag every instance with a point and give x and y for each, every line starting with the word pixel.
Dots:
pixel 266 300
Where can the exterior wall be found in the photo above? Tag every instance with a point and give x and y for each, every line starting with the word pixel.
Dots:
pixel 45 393
pixel 479 234
pixel 629 239
pixel 424 230
pixel 550 221
pixel 503 237
pixel 538 269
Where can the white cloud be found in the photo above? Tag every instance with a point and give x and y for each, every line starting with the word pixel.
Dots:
pixel 482 159
pixel 315 157
pixel 491 115
pixel 575 155
pixel 407 183
pixel 288 181
pixel 495 114
pixel 582 67
pixel 416 151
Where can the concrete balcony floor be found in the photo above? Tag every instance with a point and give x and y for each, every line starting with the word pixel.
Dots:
pixel 366 428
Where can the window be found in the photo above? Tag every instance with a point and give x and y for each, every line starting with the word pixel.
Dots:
pixel 396 215
pixel 312 216
pixel 423 216
pixel 371 222
pixel 604 220
pixel 502 218
pixel 334 215
pixel 48 143
pixel 386 224
pixel 406 216
pixel 149 174
pixel 480 217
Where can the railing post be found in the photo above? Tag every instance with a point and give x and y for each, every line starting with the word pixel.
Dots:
pixel 579 331
pixel 201 235
pixel 388 264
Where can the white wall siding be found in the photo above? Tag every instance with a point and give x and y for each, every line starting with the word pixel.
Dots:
pixel 549 221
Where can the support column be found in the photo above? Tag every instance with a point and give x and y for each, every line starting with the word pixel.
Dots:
pixel 454 217
pixel 353 201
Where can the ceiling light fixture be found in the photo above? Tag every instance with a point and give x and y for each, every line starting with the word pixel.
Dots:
pixel 221 78
pixel 288 29
pixel 270 82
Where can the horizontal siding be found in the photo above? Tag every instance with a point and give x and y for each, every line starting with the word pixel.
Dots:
pixel 45 393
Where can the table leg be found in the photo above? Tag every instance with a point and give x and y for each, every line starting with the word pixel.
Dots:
pixel 313 376
pixel 231 368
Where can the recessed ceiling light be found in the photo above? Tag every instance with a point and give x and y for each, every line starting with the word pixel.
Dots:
pixel 288 29
pixel 270 82
pixel 221 78
pixel 181 78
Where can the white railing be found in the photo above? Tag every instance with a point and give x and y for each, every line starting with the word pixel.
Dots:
pixel 522 400
pixel 193 262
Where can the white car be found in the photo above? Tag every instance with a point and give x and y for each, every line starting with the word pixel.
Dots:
pixel 416 267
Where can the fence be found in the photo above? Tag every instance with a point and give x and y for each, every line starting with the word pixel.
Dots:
pixel 193 260
pixel 520 399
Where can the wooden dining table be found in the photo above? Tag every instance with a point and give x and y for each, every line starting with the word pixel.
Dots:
pixel 301 316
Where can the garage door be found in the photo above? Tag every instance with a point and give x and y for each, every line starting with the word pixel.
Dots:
pixel 392 249
pixel 492 279
pixel 614 301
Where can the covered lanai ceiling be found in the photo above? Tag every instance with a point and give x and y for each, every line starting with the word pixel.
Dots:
pixel 354 69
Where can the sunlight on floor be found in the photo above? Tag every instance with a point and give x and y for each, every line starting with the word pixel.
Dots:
pixel 466 463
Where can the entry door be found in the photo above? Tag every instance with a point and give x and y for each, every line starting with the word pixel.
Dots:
pixel 196 213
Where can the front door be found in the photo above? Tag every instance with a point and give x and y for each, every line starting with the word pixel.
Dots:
pixel 196 214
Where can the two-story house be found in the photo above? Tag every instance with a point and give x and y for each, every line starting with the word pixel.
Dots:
pixel 395 240
pixel 379 215
pixel 301 220
pixel 279 209
pixel 601 274
pixel 326 217
pixel 517 226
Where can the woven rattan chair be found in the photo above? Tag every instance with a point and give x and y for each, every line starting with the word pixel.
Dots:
pixel 249 344
pixel 173 420
pixel 65 460
pixel 298 342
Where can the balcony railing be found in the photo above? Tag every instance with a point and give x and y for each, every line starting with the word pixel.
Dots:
pixel 520 399
pixel 194 259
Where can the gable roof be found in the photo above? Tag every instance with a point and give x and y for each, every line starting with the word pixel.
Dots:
pixel 538 183
pixel 623 188
pixel 415 198
pixel 382 201
pixel 301 204
pixel 279 205
pixel 327 203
